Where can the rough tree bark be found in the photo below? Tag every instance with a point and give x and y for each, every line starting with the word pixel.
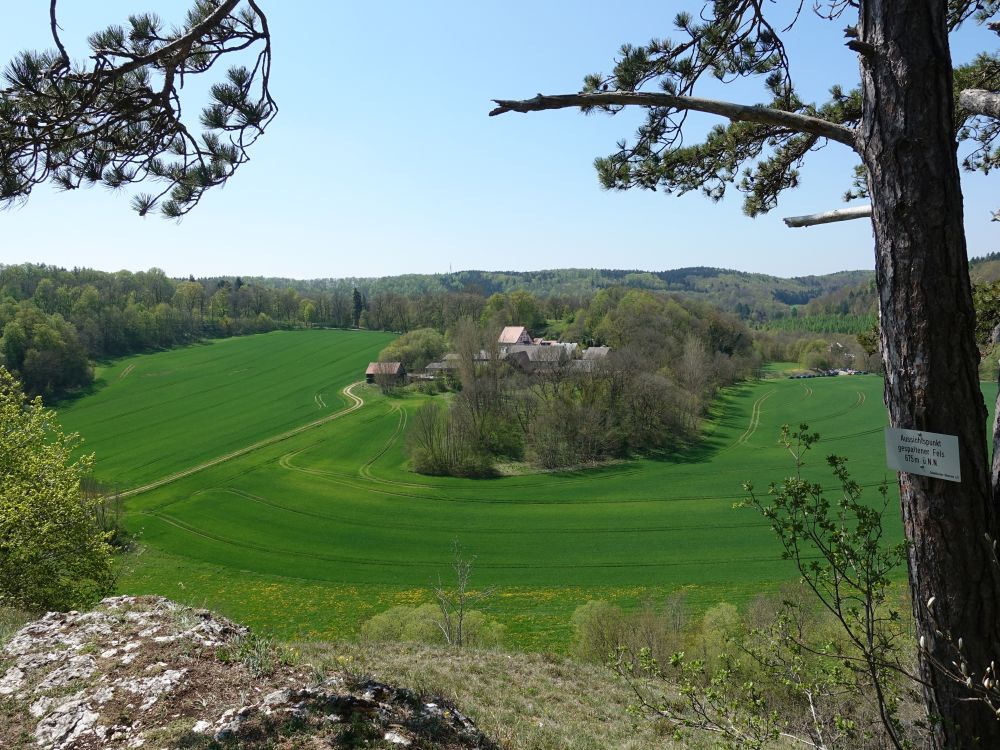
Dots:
pixel 930 356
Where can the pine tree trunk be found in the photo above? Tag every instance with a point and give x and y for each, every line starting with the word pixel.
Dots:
pixel 931 361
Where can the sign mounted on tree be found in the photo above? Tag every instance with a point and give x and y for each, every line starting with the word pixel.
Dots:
pixel 926 453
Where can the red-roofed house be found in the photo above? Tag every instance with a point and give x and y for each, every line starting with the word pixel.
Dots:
pixel 514 336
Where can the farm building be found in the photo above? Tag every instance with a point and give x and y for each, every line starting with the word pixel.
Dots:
pixel 393 370
pixel 514 336
pixel 596 352
pixel 534 358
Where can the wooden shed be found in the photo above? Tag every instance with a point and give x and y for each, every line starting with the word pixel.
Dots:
pixel 394 370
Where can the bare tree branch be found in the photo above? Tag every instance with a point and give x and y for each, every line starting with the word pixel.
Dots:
pixel 54 25
pixel 736 112
pixel 981 102
pixel 828 217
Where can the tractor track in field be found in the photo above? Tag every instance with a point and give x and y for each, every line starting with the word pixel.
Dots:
pixel 366 468
pixel 348 391
pixel 340 520
pixel 841 412
pixel 754 422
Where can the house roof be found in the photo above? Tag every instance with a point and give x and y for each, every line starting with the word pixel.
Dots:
pixel 596 352
pixel 538 353
pixel 384 368
pixel 511 334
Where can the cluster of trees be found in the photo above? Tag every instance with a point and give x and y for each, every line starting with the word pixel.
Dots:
pixel 772 670
pixel 668 357
pixel 813 351
pixel 53 321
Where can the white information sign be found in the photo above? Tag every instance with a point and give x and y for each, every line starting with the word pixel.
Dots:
pixel 926 453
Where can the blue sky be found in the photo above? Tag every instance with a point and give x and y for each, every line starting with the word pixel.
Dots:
pixel 383 160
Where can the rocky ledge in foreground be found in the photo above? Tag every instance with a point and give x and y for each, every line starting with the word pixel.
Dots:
pixel 147 672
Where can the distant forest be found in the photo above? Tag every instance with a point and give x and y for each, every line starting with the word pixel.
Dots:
pixel 55 322
pixel 752 296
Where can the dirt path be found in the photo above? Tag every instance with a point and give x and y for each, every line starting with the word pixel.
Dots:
pixel 358 402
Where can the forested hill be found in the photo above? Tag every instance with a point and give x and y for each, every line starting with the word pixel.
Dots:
pixel 54 322
pixel 751 295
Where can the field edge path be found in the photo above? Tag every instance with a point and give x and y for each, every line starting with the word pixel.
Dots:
pixel 348 391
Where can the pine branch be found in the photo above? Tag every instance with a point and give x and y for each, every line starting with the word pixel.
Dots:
pixel 735 112
pixel 118 120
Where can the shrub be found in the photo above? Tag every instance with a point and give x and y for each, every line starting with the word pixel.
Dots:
pixel 423 625
pixel 602 631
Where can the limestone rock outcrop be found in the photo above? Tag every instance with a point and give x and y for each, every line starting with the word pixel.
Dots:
pixel 145 672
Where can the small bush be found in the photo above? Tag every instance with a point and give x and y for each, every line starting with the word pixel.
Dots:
pixel 601 630
pixel 421 625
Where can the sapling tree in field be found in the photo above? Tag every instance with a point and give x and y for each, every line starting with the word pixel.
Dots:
pixel 901 123
pixel 457 601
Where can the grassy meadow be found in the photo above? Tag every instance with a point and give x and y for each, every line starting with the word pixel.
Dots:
pixel 308 536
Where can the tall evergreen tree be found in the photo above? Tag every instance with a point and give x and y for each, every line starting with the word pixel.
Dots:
pixel 359 305
pixel 901 124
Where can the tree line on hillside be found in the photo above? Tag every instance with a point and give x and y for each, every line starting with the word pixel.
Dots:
pixel 55 322
pixel 668 357
pixel 753 296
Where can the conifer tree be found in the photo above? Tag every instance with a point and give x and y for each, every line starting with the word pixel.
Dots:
pixel 901 124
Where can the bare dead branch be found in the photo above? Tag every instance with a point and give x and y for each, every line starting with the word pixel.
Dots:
pixel 828 217
pixel 981 102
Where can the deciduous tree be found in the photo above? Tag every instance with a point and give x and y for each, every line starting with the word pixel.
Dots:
pixel 53 555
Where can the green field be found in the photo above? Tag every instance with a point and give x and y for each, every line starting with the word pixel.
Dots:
pixel 155 414
pixel 309 535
